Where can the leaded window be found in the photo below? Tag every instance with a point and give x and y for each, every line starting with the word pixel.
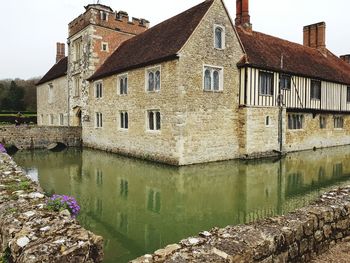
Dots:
pixel 315 92
pixel 123 84
pixel 265 83
pixel 153 79
pixel 219 37
pixel 154 120
pixel 124 120
pixel 213 78
pixel 285 81
pixel 295 121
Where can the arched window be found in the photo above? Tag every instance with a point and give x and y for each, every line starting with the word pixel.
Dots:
pixel 207 80
pixel 218 37
pixel 150 81
pixel 216 80
pixel 157 80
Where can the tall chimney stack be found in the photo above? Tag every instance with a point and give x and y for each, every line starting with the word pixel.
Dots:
pixel 315 36
pixel 242 14
pixel 346 58
pixel 60 51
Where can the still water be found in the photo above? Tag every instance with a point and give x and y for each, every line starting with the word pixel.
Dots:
pixel 139 206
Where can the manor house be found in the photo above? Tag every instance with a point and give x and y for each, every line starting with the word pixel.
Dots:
pixel 198 87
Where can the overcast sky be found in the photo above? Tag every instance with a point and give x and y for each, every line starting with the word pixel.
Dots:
pixel 30 28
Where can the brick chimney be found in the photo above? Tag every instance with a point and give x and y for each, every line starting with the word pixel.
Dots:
pixel 346 58
pixel 60 51
pixel 315 36
pixel 242 14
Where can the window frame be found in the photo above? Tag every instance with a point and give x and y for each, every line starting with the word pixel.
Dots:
pixel 98 120
pixel 295 122
pixel 50 93
pixel 104 44
pixel 76 87
pixel 212 69
pixel 156 128
pixel 272 88
pixel 104 16
pixel 119 77
pixel 78 48
pixel 153 70
pixel 61 119
pixel 123 115
pixel 98 89
pixel 313 94
pixel 223 34
pixel 348 94
pixel 323 122
pixel 336 119
pixel 51 119
pixel 289 81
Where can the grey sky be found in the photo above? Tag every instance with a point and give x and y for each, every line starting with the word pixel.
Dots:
pixel 30 28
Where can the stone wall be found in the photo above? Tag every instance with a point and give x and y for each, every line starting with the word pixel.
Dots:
pixel 29 233
pixel 313 136
pixel 37 137
pixel 295 237
pixel 58 104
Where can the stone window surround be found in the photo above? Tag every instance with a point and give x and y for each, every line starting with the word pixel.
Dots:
pixel 104 44
pixel 120 120
pixel 102 14
pixel 124 75
pixel 98 89
pixel 51 119
pixel 323 122
pixel 221 77
pixel 98 120
pixel 77 48
pixel 50 93
pixel 338 122
pixel 267 121
pixel 153 69
pixel 61 119
pixel 291 122
pixel 223 40
pixel 76 86
pixel 155 130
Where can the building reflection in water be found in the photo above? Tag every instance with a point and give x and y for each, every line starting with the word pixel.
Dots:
pixel 139 206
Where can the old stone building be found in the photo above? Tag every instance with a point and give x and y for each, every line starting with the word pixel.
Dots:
pixel 198 87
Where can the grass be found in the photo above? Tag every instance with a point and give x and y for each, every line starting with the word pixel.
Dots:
pixel 14 115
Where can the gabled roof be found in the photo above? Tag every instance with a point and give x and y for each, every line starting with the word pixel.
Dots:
pixel 272 53
pixel 58 70
pixel 157 44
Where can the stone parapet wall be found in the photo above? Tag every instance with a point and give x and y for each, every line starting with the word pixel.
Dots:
pixel 36 137
pixel 30 233
pixel 295 237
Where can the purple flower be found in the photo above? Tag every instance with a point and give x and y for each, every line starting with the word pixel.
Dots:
pixel 61 202
pixel 2 149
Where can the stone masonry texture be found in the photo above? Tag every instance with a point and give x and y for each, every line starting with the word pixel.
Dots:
pixel 30 233
pixel 294 237
pixel 38 137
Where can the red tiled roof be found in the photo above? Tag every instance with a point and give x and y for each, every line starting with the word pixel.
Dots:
pixel 58 70
pixel 264 51
pixel 157 44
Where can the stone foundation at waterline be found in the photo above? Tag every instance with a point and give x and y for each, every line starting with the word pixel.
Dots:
pixel 29 233
pixel 37 137
pixel 295 237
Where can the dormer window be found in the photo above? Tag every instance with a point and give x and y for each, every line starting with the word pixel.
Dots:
pixel 219 37
pixel 104 16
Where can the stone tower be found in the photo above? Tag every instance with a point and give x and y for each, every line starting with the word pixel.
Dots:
pixel 93 36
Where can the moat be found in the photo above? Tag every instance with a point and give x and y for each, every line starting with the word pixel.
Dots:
pixel 139 206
